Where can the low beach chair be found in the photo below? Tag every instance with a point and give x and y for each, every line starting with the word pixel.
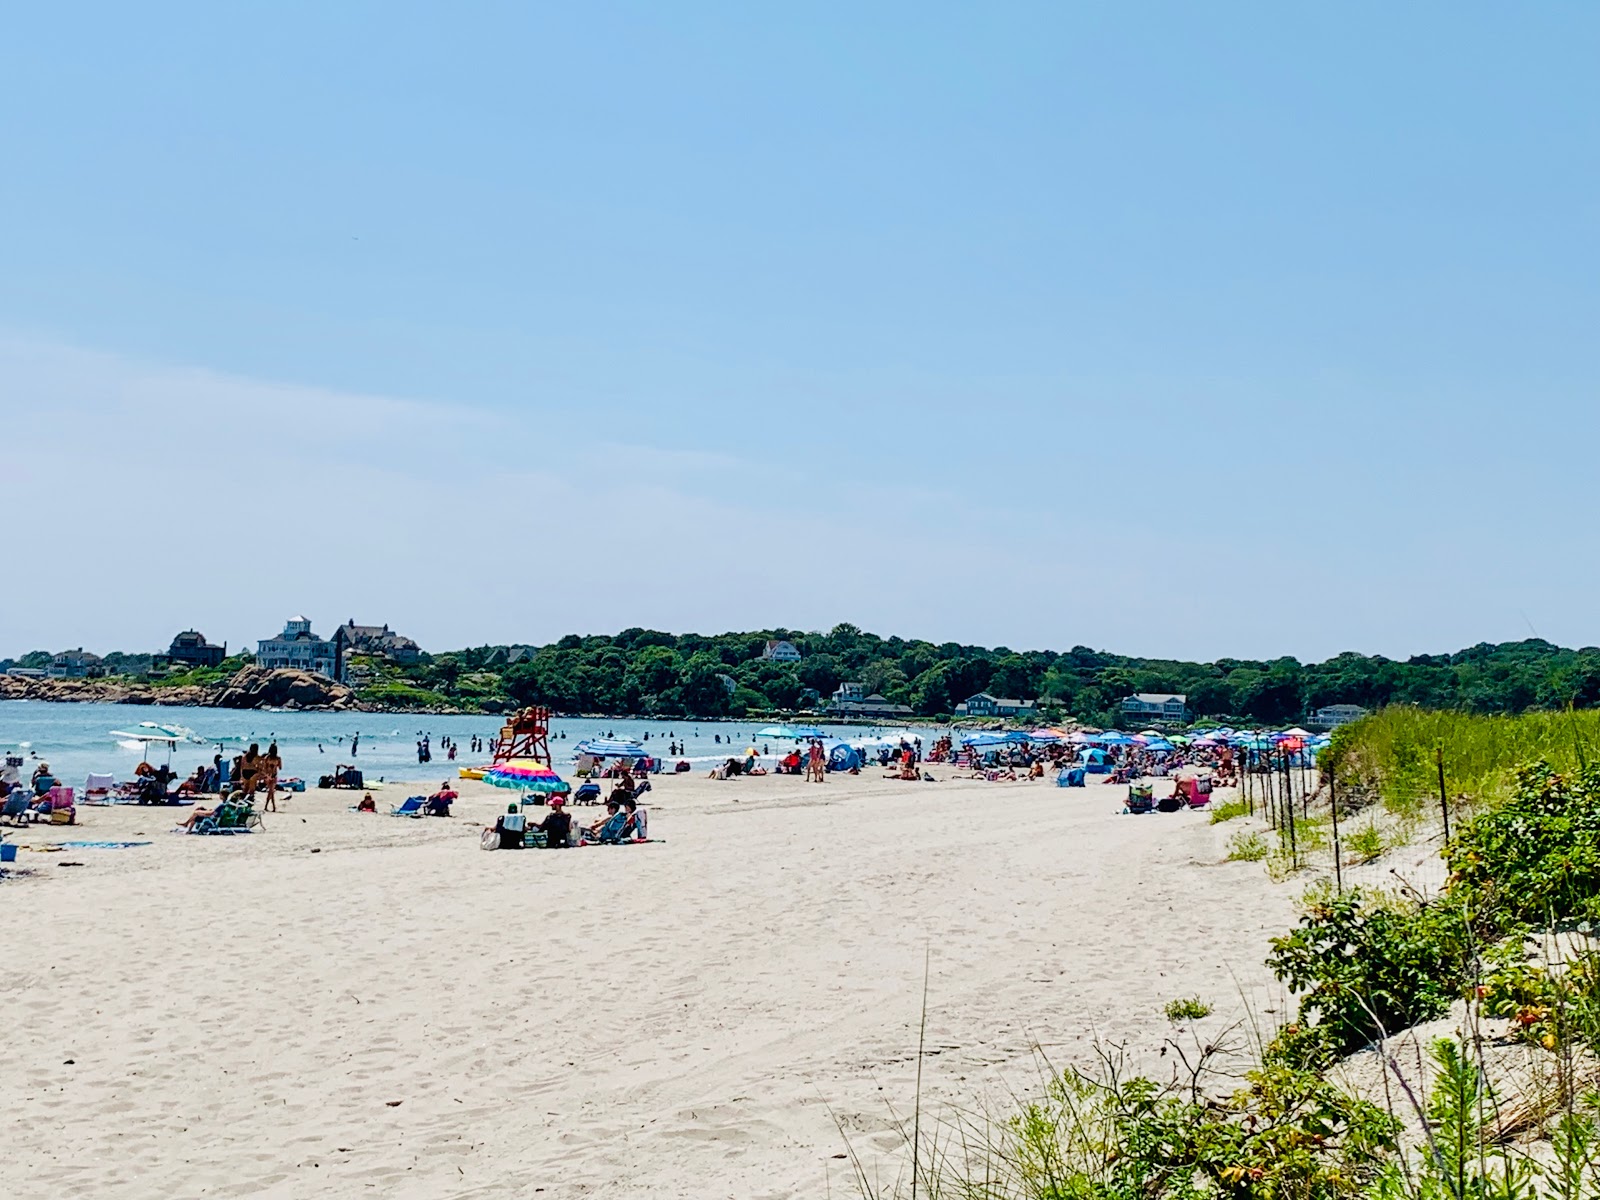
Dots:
pixel 1141 798
pixel 413 806
pixel 97 789
pixel 1196 793
pixel 230 817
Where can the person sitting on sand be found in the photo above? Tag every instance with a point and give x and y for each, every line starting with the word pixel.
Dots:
pixel 368 804
pixel 197 814
pixel 609 828
pixel 439 803
pixel 557 825
pixel 43 781
pixel 510 826
pixel 1037 770
pixel 636 823
pixel 624 788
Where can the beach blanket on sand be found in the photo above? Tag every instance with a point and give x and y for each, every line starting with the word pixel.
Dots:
pixel 102 845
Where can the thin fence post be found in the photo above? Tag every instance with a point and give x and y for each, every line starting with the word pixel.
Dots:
pixel 1444 797
pixel 1288 796
pixel 1333 807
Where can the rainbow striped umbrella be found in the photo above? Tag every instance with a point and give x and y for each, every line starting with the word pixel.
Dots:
pixel 525 775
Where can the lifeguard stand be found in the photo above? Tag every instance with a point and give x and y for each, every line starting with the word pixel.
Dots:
pixel 525 735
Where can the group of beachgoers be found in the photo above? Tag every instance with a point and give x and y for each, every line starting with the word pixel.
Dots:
pixel 625 820
pixel 21 803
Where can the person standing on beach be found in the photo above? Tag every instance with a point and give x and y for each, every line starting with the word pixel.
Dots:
pixel 354 742
pixel 270 766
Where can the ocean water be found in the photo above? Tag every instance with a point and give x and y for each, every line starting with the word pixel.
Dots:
pixel 76 739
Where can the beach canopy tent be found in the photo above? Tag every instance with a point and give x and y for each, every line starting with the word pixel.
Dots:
pixel 844 757
pixel 984 739
pixel 525 775
pixel 1094 756
pixel 611 748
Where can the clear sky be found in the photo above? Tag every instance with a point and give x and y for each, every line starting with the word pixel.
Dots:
pixel 1182 329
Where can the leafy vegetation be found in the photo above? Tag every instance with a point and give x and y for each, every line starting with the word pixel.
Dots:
pixel 646 671
pixel 1394 755
pixel 1248 847
pixel 1228 810
pixel 1365 842
pixel 205 676
pixel 1191 1009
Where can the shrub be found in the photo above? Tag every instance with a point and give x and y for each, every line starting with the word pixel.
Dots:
pixel 1365 843
pixel 1228 811
pixel 1247 847
pixel 1191 1009
pixel 1535 858
pixel 1368 965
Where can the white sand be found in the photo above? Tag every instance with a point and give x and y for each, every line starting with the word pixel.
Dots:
pixel 664 1020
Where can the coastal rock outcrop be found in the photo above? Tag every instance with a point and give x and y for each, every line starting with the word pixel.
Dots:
pixel 256 687
pixel 100 691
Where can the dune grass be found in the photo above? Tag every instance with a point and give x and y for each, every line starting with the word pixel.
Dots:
pixel 1392 755
pixel 1228 810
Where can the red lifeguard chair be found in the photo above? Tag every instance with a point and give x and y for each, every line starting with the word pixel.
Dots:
pixel 525 735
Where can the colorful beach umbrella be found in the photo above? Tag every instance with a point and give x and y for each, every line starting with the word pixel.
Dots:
pixel 525 775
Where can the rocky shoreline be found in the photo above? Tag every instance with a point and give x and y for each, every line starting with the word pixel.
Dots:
pixel 252 687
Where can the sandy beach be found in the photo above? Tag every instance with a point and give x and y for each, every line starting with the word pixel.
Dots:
pixel 352 1005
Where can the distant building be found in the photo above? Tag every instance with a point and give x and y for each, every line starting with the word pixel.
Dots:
pixel 26 672
pixel 985 705
pixel 1150 708
pixel 509 655
pixel 778 650
pixel 1331 716
pixel 298 649
pixel 849 691
pixel 74 664
pixel 379 641
pixel 190 649
pixel 857 705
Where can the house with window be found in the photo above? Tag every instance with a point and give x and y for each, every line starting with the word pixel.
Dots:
pixel 378 641
pixel 1331 716
pixel 298 649
pixel 854 704
pixel 74 664
pixel 985 705
pixel 778 650
pixel 1153 708
pixel 190 649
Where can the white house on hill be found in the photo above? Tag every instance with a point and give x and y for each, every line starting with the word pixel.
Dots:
pixel 1143 708
pixel 298 649
pixel 778 650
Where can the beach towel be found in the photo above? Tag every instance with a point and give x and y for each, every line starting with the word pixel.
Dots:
pixel 103 845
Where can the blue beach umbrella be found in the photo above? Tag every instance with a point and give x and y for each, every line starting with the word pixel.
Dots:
pixel 611 748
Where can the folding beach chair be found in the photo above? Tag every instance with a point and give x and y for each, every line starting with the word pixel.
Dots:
pixel 412 807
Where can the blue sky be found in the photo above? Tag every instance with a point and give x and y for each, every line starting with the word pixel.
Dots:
pixel 1173 329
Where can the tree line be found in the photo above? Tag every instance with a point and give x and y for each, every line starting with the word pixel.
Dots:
pixel 647 672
